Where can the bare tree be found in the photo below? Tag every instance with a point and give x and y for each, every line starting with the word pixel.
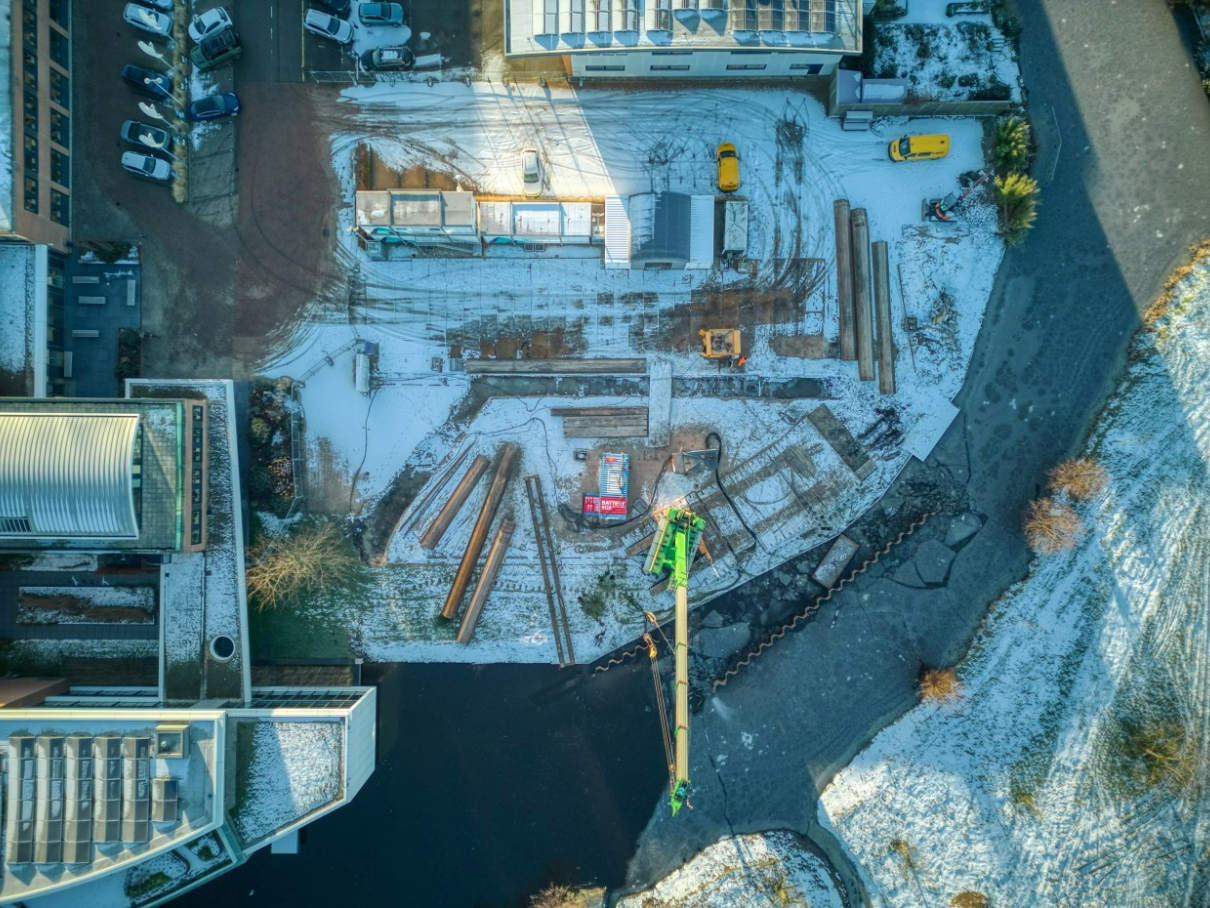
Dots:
pixel 1051 526
pixel 1081 479
pixel 314 557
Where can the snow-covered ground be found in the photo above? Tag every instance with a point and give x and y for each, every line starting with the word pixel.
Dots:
pixel 795 164
pixel 1074 769
pixel 295 768
pixel 751 871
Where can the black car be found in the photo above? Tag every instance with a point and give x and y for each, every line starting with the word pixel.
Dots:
pixel 148 81
pixel 399 59
pixel 217 49
pixel 340 7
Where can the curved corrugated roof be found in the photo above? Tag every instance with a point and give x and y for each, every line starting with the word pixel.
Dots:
pixel 67 475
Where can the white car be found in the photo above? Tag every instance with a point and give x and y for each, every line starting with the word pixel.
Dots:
pixel 326 26
pixel 531 171
pixel 148 20
pixel 209 23
pixel 146 165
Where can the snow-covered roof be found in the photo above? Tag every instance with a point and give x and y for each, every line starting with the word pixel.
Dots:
pixel 672 226
pixel 67 475
pixel 570 26
pixel 16 280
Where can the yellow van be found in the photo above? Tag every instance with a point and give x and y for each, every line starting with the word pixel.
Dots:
pixel 920 148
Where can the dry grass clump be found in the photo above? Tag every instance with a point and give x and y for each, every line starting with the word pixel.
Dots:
pixel 940 685
pixel 970 898
pixel 557 895
pixel 1162 753
pixel 1161 304
pixel 1051 526
pixel 905 851
pixel 1081 479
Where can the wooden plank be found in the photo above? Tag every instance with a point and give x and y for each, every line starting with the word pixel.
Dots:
pixel 638 412
pixel 882 312
pixel 630 431
pixel 454 503
pixel 487 579
pixel 863 314
pixel 508 457
pixel 599 366
pixel 844 278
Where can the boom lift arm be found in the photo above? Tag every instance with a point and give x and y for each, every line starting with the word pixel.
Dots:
pixel 671 551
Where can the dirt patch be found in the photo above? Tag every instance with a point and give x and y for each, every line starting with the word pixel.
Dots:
pixel 287 212
pixel 329 484
pixel 68 609
pixel 374 173
pixel 521 337
pixel 376 532
pixel 803 346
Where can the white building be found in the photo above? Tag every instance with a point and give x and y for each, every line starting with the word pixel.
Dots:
pixel 647 39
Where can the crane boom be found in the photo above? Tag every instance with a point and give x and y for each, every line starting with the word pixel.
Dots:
pixel 672 551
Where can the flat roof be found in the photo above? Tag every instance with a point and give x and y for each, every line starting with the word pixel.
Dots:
pixel 570 26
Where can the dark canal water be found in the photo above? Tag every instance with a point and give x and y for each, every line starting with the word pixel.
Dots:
pixel 492 781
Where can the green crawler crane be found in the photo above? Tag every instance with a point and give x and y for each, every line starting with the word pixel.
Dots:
pixel 672 552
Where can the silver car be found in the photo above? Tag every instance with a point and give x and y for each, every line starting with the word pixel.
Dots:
pixel 327 26
pixel 531 171
pixel 147 165
pixel 147 20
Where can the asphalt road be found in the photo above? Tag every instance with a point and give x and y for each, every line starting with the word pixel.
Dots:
pixel 1124 167
pixel 277 48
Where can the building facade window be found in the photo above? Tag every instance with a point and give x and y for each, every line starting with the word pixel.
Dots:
pixel 655 68
pixel 60 169
pixel 29 70
pixel 60 49
pixel 60 89
pixel 745 66
pixel 611 69
pixel 31 194
pixel 60 12
pixel 60 207
pixel 60 129
pixel 810 69
pixel 670 53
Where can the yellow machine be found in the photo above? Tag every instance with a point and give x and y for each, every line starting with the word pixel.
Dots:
pixel 720 343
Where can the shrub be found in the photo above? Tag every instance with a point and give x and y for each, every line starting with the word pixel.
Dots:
pixel 313 558
pixel 967 80
pixel 993 91
pixel 260 433
pixel 1051 526
pixel 969 898
pixel 593 604
pixel 260 484
pixel 1017 198
pixel 887 10
pixel 1081 478
pixel 1011 145
pixel 1004 17
pixel 940 685
pixel 946 80
pixel 558 896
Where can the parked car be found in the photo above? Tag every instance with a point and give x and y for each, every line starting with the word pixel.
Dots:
pixel 727 159
pixel 164 6
pixel 147 20
pixel 920 148
pixel 327 26
pixel 210 22
pixel 215 50
pixel 531 171
pixel 214 106
pixel 146 165
pixel 380 14
pixel 388 58
pixel 148 81
pixel 145 136
pixel 340 7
